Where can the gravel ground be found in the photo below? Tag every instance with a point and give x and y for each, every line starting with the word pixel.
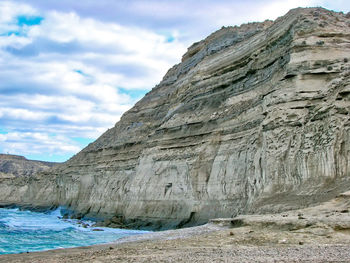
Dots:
pixel 207 244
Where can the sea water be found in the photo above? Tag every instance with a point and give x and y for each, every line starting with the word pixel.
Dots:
pixel 26 231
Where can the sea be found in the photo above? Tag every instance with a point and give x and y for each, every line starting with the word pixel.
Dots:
pixel 26 231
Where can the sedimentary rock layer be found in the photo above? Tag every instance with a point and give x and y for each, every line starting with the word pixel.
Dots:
pixel 255 118
pixel 16 165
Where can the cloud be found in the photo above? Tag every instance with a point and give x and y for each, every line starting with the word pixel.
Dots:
pixel 66 76
pixel 28 143
pixel 194 19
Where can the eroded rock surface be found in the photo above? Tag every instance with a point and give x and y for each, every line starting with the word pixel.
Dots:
pixel 254 119
pixel 17 166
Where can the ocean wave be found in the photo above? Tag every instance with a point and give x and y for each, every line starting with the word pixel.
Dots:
pixel 27 231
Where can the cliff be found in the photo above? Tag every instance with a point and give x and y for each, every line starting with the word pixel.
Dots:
pixel 17 166
pixel 254 119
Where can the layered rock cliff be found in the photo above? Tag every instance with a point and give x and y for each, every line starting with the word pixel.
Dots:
pixel 16 165
pixel 255 118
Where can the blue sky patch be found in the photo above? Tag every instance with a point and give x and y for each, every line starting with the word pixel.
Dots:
pixel 3 131
pixel 49 157
pixel 10 33
pixel 80 72
pixel 169 36
pixel 29 20
pixel 170 39
pixel 83 142
pixel 134 94
pixel 21 22
pixel 56 120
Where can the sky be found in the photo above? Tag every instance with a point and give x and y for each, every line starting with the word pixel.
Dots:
pixel 69 69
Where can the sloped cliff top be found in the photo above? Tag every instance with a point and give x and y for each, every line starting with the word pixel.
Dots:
pixel 17 165
pixel 244 40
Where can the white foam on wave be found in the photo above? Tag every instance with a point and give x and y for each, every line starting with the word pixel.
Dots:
pixel 52 220
pixel 27 220
pixel 33 231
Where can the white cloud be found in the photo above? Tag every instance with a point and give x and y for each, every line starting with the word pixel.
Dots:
pixel 37 143
pixel 58 78
pixel 10 10
pixel 22 114
pixel 275 8
pixel 117 45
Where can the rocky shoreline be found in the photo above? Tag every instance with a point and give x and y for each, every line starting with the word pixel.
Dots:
pixel 315 234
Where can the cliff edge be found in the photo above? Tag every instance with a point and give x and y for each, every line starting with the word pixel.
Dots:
pixel 18 166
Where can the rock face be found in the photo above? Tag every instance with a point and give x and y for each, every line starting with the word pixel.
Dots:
pixel 254 119
pixel 17 166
